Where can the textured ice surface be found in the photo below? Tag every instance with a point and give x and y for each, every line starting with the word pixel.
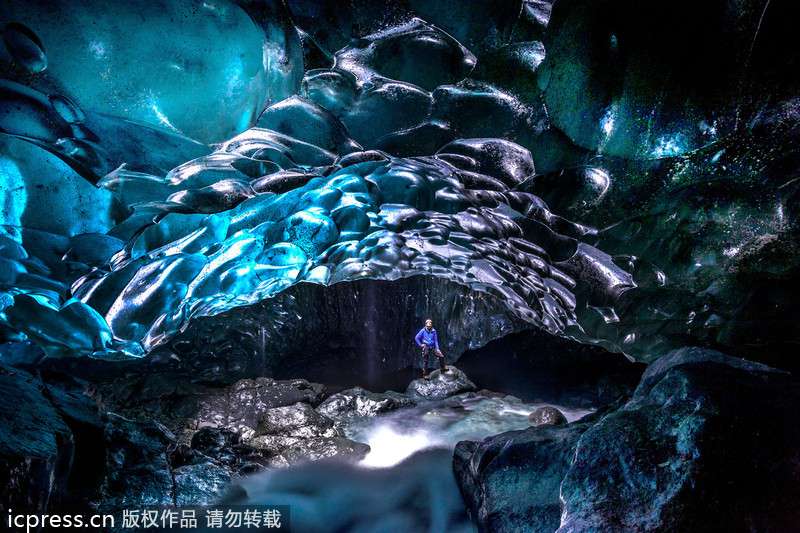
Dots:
pixel 204 70
pixel 467 145
pixel 383 219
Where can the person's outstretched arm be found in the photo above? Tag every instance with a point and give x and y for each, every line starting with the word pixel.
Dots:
pixel 418 338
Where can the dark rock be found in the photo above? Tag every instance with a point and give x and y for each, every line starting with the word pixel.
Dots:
pixel 511 481
pixel 200 484
pixel 441 385
pixel 239 407
pixel 182 454
pixel 357 403
pixel 315 449
pixel 682 454
pixel 298 420
pixel 706 443
pixel 146 466
pixel 297 433
pixel 486 393
pixel 36 446
pixel 137 463
pixel 188 406
pixel 52 442
pixel 80 414
pixel 547 416
pixel 217 443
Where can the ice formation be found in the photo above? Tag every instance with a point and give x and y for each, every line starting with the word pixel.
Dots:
pixel 404 153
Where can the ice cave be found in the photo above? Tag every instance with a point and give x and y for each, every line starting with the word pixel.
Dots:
pixel 375 266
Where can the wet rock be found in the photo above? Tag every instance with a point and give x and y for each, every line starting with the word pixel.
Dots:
pixel 147 466
pixel 224 448
pixel 701 464
pixel 80 413
pixel 358 403
pixel 137 463
pixel 692 445
pixel 441 385
pixel 298 420
pixel 283 436
pixel 191 406
pixel 511 481
pixel 296 433
pixel 547 416
pixel 36 446
pixel 486 393
pixel 216 443
pixel 200 484
pixel 240 406
pixel 316 449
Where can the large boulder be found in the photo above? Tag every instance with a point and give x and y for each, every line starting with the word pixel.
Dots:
pixel 706 443
pixel 547 416
pixel 511 481
pixel 441 385
pixel 51 438
pixel 298 420
pixel 298 433
pixel 359 403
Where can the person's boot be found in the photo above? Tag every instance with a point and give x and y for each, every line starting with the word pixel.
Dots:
pixel 425 377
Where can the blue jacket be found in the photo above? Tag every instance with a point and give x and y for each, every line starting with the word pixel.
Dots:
pixel 428 338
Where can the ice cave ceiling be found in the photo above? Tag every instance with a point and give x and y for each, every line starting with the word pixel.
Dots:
pixel 618 172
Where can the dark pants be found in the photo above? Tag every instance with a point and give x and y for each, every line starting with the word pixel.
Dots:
pixel 426 352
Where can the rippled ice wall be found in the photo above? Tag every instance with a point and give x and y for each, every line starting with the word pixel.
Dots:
pixel 592 172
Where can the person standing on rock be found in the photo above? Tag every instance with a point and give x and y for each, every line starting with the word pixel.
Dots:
pixel 429 342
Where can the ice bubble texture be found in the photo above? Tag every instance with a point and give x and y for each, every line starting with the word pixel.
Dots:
pixel 385 219
pixel 474 146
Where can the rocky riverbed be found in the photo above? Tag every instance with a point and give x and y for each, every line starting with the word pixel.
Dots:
pixel 500 464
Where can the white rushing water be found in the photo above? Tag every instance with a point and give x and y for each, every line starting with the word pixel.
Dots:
pixel 397 435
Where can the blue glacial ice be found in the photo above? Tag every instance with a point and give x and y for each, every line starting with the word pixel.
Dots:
pixel 203 70
pixel 444 148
